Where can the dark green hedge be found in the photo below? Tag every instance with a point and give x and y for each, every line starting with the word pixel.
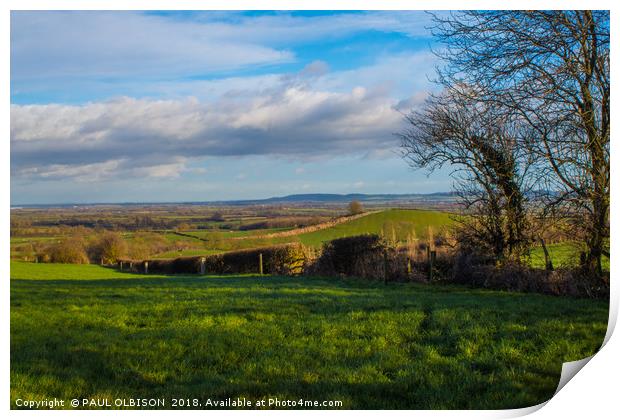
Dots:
pixel 283 259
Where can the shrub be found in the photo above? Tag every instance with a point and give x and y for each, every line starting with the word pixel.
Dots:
pixel 355 207
pixel 184 227
pixel 465 267
pixel 139 250
pixel 359 256
pixel 370 256
pixel 25 251
pixel 69 251
pixel 109 248
pixel 283 259
pixel 521 278
pixel 181 265
pixel 145 244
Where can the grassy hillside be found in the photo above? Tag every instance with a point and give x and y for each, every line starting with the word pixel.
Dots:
pixel 91 332
pixel 401 222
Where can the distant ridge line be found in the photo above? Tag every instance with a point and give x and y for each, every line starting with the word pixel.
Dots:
pixel 293 198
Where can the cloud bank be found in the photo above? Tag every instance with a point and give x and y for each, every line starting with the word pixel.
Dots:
pixel 209 85
pixel 157 137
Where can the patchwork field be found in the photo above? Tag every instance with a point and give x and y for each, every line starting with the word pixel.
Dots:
pixel 92 332
pixel 396 223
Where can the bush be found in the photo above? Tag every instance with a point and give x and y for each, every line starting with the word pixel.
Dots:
pixel 109 248
pixel 521 278
pixel 358 256
pixel 69 251
pixel 355 207
pixel 190 265
pixel 284 259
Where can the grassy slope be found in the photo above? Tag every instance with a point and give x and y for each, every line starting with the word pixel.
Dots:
pixel 87 331
pixel 404 222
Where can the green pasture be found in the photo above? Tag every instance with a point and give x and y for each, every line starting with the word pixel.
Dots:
pixel 563 255
pixel 400 223
pixel 92 332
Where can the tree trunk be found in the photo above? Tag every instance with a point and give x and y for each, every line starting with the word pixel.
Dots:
pixel 548 262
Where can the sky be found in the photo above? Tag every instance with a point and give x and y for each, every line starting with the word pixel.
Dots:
pixel 131 106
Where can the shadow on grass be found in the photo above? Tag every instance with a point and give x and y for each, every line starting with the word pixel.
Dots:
pixel 72 368
pixel 371 346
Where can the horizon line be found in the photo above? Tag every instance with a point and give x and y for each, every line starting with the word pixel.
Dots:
pixel 220 201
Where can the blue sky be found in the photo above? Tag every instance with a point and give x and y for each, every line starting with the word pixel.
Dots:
pixel 177 106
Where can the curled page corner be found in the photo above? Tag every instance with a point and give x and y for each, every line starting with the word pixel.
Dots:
pixel 569 370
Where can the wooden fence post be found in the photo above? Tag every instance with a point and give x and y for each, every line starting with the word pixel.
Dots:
pixel 385 267
pixel 260 263
pixel 431 264
pixel 202 265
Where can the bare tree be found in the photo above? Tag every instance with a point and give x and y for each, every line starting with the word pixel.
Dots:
pixel 482 146
pixel 551 70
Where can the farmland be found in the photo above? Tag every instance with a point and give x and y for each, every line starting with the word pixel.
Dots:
pixel 172 231
pixel 175 231
pixel 119 335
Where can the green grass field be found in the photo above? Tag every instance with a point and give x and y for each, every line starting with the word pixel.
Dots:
pixel 565 254
pixel 91 332
pixel 402 222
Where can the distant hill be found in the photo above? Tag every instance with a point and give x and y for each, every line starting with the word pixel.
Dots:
pixel 295 198
pixel 343 198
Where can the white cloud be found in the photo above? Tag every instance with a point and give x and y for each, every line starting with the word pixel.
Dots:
pixel 309 115
pixel 81 173
pixel 122 168
pixel 156 138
